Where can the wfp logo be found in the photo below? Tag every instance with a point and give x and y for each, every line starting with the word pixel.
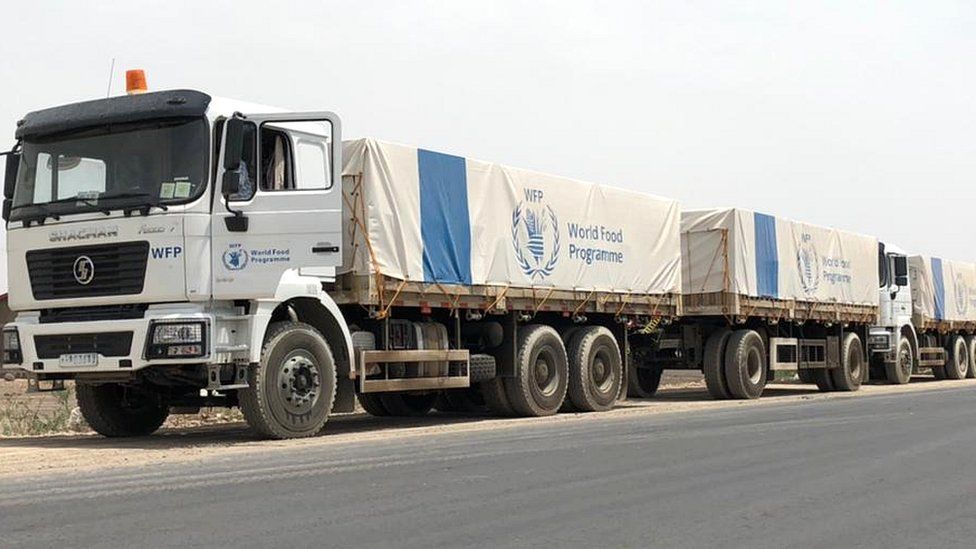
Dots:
pixel 962 294
pixel 535 236
pixel 235 257
pixel 808 263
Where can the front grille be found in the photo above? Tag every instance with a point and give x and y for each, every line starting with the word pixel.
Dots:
pixel 90 314
pixel 105 343
pixel 119 269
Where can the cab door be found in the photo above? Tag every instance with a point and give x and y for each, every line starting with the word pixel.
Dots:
pixel 283 208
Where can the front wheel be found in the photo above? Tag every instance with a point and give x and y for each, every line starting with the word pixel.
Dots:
pixel 899 372
pixel 292 389
pixel 116 410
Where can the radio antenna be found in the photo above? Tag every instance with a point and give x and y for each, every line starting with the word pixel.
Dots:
pixel 111 73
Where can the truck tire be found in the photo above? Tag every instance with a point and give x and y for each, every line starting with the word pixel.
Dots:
pixel 541 372
pixel 805 375
pixel 481 368
pixel 408 405
pixel 642 382
pixel 713 364
pixel 971 347
pixel 595 370
pixel 745 364
pixel 849 375
pixel 823 378
pixel 899 372
pixel 292 388
pixel 372 404
pixel 957 361
pixel 114 410
pixel 493 391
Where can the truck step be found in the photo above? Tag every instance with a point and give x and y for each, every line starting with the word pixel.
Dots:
pixel 929 357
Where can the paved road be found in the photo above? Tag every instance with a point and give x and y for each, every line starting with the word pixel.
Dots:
pixel 879 471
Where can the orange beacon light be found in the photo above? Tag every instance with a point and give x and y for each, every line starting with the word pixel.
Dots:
pixel 135 81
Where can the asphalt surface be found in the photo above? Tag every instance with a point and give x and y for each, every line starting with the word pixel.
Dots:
pixel 878 471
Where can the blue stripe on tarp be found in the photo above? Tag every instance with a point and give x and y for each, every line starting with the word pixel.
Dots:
pixel 939 284
pixel 767 256
pixel 444 223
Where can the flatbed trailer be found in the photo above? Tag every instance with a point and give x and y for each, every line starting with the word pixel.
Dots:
pixel 762 295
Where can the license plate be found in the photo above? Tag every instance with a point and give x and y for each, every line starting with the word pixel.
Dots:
pixel 78 360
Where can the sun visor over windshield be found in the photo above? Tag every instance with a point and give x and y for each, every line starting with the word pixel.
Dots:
pixel 114 110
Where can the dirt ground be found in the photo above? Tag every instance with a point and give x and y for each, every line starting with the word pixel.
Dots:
pixel 33 456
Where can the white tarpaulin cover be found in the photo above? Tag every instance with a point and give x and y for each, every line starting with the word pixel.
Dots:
pixel 433 217
pixel 942 289
pixel 774 257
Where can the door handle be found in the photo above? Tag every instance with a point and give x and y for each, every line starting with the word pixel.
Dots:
pixel 325 249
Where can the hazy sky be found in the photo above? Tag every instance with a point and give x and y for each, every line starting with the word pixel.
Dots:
pixel 854 114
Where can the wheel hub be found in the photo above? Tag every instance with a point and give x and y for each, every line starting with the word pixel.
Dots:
pixel 299 380
pixel 906 363
pixel 545 376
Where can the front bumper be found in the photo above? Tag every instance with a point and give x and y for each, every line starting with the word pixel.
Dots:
pixel 120 345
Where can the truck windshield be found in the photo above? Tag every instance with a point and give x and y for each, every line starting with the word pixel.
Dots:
pixel 136 166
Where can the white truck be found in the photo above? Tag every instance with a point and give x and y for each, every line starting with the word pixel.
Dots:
pixel 762 294
pixel 927 317
pixel 172 250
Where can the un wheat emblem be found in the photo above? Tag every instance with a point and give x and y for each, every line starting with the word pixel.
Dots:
pixel 531 254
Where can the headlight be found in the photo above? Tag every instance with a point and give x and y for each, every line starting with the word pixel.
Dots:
pixel 11 347
pixel 177 339
pixel 879 341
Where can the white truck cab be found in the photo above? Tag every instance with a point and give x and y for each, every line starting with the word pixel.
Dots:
pixel 124 254
pixel 907 339
pixel 893 343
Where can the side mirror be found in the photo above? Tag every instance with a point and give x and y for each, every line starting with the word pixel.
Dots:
pixel 233 143
pixel 901 271
pixel 10 174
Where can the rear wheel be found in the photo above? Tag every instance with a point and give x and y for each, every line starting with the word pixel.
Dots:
pixel 851 371
pixel 745 364
pixel 595 370
pixel 291 391
pixel 823 379
pixel 644 380
pixel 957 361
pixel 541 372
pixel 971 347
pixel 493 392
pixel 116 410
pixel 713 364
pixel 899 372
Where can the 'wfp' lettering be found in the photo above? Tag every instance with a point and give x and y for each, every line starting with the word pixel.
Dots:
pixel 167 252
